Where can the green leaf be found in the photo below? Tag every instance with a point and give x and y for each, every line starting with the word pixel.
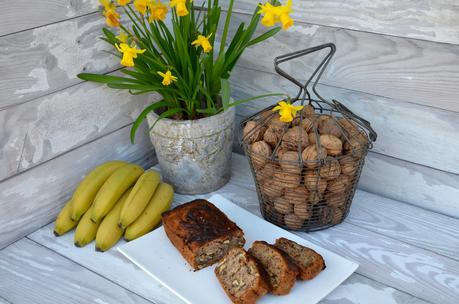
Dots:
pixel 238 102
pixel 226 89
pixel 144 114
pixel 108 79
pixel 167 114
pixel 264 36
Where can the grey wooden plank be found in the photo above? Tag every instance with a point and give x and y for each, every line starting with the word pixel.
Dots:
pixel 48 126
pixel 403 69
pixel 427 19
pixel 23 14
pixel 39 61
pixel 33 198
pixel 4 301
pixel 30 273
pixel 416 133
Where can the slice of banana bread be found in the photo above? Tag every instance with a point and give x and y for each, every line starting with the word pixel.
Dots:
pixel 309 262
pixel 242 278
pixel 282 272
pixel 201 232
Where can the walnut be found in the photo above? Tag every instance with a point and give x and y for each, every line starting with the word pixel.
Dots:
pixel 282 205
pixel 354 147
pixel 260 152
pixel 340 184
pixel 352 130
pixel 297 195
pixel 272 189
pixel 330 126
pixel 312 154
pixel 279 152
pixel 314 198
pixel 293 138
pixel 287 180
pixel 290 162
pixel 305 122
pixel 308 110
pixel 277 125
pixel 314 183
pixel 266 172
pixel 337 200
pixel 312 138
pixel 272 136
pixel 293 221
pixel 330 170
pixel 333 144
pixel 303 211
pixel 349 165
pixel 252 132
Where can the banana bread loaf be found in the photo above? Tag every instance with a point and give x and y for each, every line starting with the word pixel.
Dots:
pixel 201 232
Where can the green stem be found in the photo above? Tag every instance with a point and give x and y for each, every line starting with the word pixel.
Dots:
pixel 226 28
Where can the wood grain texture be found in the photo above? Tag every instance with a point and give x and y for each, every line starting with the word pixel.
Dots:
pixel 419 134
pixel 39 61
pixel 33 198
pixel 23 14
pixel 403 69
pixel 30 273
pixel 46 127
pixel 426 19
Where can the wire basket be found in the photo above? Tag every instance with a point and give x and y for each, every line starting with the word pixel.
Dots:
pixel 306 171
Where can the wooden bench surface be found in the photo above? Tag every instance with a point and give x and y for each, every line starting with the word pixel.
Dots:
pixel 407 255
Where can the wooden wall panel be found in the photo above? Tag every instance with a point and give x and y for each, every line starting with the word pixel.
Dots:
pixel 33 198
pixel 39 130
pixel 21 15
pixel 405 69
pixel 39 61
pixel 434 20
pixel 416 133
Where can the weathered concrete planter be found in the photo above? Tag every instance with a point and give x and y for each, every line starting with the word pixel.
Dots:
pixel 194 155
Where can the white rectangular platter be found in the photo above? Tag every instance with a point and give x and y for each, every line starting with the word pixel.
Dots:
pixel 156 255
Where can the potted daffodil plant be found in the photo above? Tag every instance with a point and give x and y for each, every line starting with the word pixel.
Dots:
pixel 185 53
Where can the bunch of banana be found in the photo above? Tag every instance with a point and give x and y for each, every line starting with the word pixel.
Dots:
pixel 114 199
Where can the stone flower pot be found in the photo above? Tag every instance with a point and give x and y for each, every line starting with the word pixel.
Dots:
pixel 194 155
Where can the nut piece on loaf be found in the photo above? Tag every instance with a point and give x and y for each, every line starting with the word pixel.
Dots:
pixel 201 232
pixel 282 272
pixel 242 278
pixel 309 262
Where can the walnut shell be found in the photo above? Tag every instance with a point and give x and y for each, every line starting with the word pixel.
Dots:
pixel 308 110
pixel 293 221
pixel 337 200
pixel 339 184
pixel 303 211
pixel 349 165
pixel 266 172
pixel 277 125
pixel 314 183
pixel 314 198
pixel 294 138
pixel 298 195
pixel 260 151
pixel 330 170
pixel 252 132
pixel 312 154
pixel 312 138
pixel 282 205
pixel 337 216
pixel 279 152
pixel 354 147
pixel 287 180
pixel 272 136
pixel 333 144
pixel 271 189
pixel 330 126
pixel 290 162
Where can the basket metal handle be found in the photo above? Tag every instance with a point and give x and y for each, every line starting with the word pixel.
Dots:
pixel 314 79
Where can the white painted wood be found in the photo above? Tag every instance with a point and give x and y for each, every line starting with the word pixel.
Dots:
pixel 33 198
pixel 30 273
pixel 411 70
pixel 39 61
pixel 434 20
pixel 20 15
pixel 419 134
pixel 46 127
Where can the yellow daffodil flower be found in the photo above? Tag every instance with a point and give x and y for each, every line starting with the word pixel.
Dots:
pixel 123 2
pixel 129 53
pixel 180 7
pixel 275 14
pixel 167 77
pixel 287 111
pixel 203 41
pixel 112 18
pixel 122 37
pixel 158 10
pixel 141 6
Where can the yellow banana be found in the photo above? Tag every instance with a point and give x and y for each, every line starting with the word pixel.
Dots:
pixel 64 223
pixel 88 187
pixel 111 191
pixel 139 197
pixel 151 216
pixel 86 229
pixel 109 233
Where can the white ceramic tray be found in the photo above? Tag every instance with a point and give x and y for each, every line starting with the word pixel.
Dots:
pixel 155 254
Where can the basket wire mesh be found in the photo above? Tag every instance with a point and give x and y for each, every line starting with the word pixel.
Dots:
pixel 306 171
